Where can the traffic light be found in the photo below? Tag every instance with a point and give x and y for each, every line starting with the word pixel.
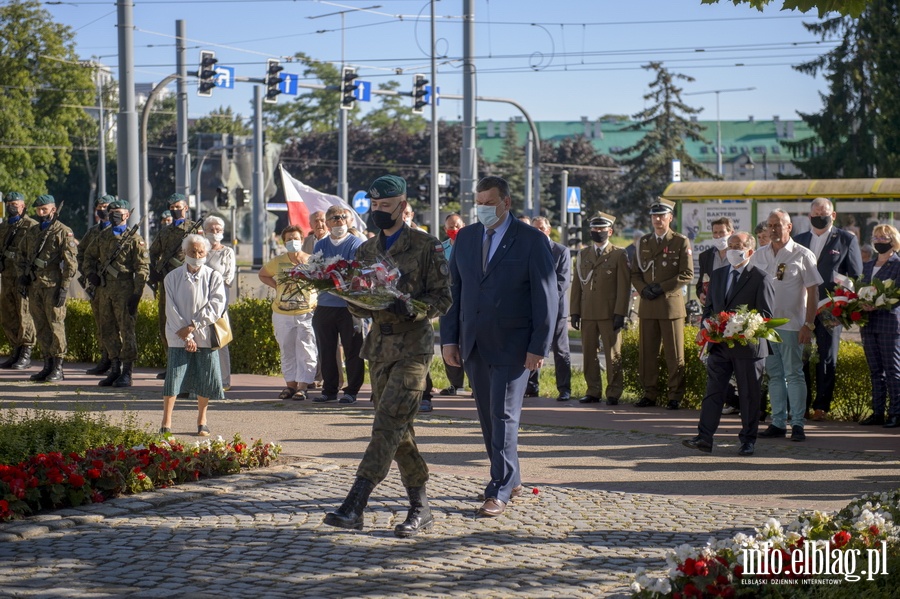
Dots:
pixel 206 74
pixel 273 80
pixel 348 87
pixel 574 236
pixel 243 196
pixel 222 197
pixel 419 93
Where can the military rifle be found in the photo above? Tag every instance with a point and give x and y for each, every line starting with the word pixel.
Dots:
pixel 123 241
pixel 9 239
pixel 157 273
pixel 31 269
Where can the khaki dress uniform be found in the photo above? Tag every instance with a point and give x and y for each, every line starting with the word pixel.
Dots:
pixel 167 242
pixel 601 288
pixel 669 264
pixel 121 285
pixel 16 319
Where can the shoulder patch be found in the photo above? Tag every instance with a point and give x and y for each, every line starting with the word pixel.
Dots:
pixel 69 234
pixel 439 247
pixel 445 269
pixel 72 244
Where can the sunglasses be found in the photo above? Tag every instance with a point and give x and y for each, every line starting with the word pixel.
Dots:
pixel 338 217
pixel 779 274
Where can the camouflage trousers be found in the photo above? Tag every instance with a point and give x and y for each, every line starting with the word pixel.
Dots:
pixel 14 314
pixel 396 391
pixel 117 334
pixel 49 321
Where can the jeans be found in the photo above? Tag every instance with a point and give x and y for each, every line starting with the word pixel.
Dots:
pixel 786 382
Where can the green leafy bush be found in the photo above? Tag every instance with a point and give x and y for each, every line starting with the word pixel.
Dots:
pixel 254 349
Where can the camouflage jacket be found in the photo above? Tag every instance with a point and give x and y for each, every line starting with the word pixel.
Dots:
pixel 131 264
pixel 11 236
pixel 86 241
pixel 425 276
pixel 167 241
pixel 54 265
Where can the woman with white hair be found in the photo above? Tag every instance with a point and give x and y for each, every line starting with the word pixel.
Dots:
pixel 195 299
pixel 221 259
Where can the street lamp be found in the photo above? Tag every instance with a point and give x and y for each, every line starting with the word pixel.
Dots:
pixel 718 120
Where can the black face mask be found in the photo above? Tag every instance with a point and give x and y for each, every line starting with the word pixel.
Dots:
pixel 103 215
pixel 116 218
pixel 883 248
pixel 47 218
pixel 383 220
pixel 820 222
pixel 177 214
pixel 599 236
pixel 12 210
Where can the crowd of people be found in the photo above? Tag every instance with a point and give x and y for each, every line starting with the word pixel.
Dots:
pixel 505 294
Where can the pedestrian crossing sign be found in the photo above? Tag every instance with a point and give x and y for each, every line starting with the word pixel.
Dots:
pixel 573 200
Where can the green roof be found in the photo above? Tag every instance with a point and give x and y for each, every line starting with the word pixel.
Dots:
pixel 756 138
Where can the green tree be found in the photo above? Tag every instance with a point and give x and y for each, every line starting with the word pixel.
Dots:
pixel 394 110
pixel 44 89
pixel 511 166
pixel 666 125
pixel 852 8
pixel 222 120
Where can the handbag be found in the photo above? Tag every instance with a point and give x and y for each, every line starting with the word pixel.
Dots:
pixel 220 332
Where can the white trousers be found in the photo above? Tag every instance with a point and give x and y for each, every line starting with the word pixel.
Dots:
pixel 297 342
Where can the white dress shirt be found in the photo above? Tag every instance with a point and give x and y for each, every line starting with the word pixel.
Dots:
pixel 798 266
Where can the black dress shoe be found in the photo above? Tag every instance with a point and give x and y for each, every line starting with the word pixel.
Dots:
pixel 531 393
pixel 698 443
pixel 797 433
pixel 892 422
pixel 563 397
pixel 589 399
pixel 873 420
pixel 772 432
pixel 747 449
pixel 672 405
pixel 645 402
pixel 612 401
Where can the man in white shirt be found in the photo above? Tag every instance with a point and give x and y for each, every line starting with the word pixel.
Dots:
pixel 796 281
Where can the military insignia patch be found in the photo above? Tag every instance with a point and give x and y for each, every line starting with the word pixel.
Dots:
pixel 438 248
pixel 445 270
pixel 72 244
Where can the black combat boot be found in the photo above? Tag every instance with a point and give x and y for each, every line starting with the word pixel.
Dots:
pixel 56 371
pixel 124 379
pixel 114 372
pixel 350 514
pixel 40 376
pixel 419 517
pixel 12 359
pixel 24 360
pixel 102 366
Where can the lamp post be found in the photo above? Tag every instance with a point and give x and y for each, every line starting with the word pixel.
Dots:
pixel 718 119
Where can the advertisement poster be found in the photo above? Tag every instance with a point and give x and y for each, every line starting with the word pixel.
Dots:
pixel 697 218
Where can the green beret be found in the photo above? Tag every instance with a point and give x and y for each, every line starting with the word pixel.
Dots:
pixel 388 186
pixel 177 197
pixel 43 200
pixel 108 198
pixel 14 196
pixel 166 214
pixel 119 203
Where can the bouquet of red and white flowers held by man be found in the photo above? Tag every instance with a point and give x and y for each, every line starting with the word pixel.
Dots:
pixel 368 286
pixel 741 327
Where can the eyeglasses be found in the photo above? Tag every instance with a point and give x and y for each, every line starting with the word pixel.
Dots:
pixel 882 239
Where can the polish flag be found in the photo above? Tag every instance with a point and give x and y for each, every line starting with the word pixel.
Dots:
pixel 302 200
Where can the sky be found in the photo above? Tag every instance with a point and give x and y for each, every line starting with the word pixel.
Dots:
pixel 561 59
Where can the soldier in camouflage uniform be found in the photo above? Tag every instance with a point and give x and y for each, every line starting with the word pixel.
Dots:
pixel 46 265
pixel 117 266
pixel 399 349
pixel 102 215
pixel 166 255
pixel 17 323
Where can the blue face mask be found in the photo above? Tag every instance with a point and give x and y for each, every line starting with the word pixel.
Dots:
pixel 487 215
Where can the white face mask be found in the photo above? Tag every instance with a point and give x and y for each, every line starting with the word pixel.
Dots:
pixel 721 243
pixel 339 231
pixel 215 237
pixel 487 215
pixel 735 257
pixel 195 262
pixel 408 222
pixel 293 245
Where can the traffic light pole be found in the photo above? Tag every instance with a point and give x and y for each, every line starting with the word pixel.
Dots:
pixel 259 204
pixel 563 215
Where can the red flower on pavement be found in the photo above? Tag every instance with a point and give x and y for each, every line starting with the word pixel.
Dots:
pixel 93 473
pixel 701 568
pixel 841 538
pixel 76 480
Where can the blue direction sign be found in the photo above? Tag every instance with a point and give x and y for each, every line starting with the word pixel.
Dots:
pixel 361 203
pixel 428 95
pixel 363 91
pixel 573 200
pixel 224 76
pixel 288 85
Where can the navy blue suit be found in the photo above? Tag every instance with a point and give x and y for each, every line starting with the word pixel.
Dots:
pixel 840 255
pixel 562 360
pixel 881 342
pixel 496 318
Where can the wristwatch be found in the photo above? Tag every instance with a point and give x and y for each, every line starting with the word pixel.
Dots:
pixel 810 325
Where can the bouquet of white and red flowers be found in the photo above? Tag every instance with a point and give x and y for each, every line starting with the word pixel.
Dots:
pixel 368 286
pixel 741 327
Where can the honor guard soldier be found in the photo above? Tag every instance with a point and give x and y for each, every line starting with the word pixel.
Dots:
pixel 601 292
pixel 101 215
pixel 17 323
pixel 399 349
pixel 117 265
pixel 166 255
pixel 663 266
pixel 46 266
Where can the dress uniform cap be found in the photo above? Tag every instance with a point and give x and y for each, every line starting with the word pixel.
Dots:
pixel 43 200
pixel 14 196
pixel 106 199
pixel 602 219
pixel 177 197
pixel 662 206
pixel 388 186
pixel 120 204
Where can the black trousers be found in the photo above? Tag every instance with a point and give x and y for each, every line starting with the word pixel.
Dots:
pixel 719 368
pixel 562 360
pixel 827 343
pixel 331 325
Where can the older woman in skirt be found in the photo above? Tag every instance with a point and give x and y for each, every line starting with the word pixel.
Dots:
pixel 195 298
